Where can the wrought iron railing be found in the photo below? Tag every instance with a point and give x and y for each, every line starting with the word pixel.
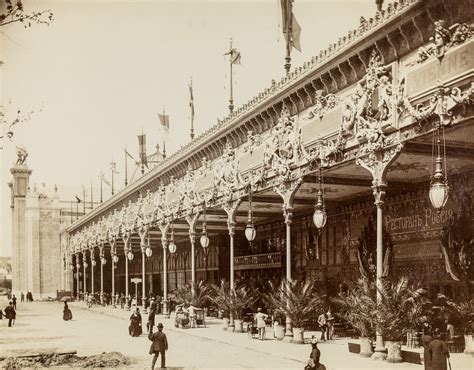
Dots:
pixel 256 261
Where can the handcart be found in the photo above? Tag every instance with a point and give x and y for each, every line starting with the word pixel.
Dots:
pixel 200 317
pixel 182 320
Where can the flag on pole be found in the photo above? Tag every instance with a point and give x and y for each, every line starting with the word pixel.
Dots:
pixel 131 156
pixel 142 149
pixel 290 24
pixel 78 200
pixel 102 177
pixel 165 121
pixel 191 100
pixel 235 57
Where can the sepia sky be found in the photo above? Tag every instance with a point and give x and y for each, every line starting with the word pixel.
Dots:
pixel 103 69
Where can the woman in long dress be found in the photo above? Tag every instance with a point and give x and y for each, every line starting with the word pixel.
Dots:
pixel 135 328
pixel 67 314
pixel 438 352
pixel 426 340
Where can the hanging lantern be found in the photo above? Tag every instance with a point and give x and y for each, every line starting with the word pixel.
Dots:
pixel 78 266
pixel 439 189
pixel 250 232
pixel 72 267
pixel 115 258
pixel 148 251
pixel 130 256
pixel 319 216
pixel 85 264
pixel 172 247
pixel 93 263
pixel 103 261
pixel 204 238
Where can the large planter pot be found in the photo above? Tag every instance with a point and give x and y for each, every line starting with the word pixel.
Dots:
pixel 279 331
pixel 298 335
pixel 394 351
pixel 469 344
pixel 238 326
pixel 366 347
pixel 226 324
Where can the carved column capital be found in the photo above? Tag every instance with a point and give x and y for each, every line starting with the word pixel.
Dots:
pixel 287 190
pixel 231 208
pixel 378 191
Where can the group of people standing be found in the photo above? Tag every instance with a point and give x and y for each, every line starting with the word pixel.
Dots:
pixel 326 324
pixel 435 350
pixel 29 297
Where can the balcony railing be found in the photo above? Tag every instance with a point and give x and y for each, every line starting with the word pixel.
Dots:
pixel 258 261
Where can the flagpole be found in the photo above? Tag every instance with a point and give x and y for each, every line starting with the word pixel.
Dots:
pixel 192 110
pixel 101 180
pixel 112 166
pixel 71 212
pixel 231 100
pixel 77 208
pixel 92 197
pixel 289 21
pixel 126 170
pixel 84 197
pixel 164 146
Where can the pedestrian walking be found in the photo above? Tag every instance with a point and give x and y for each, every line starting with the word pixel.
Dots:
pixel 192 315
pixel 314 356
pixel 329 325
pixel 438 351
pixel 135 328
pixel 14 301
pixel 22 297
pixel 10 314
pixel 260 317
pixel 151 320
pixel 67 314
pixel 426 340
pixel 159 346
pixel 322 322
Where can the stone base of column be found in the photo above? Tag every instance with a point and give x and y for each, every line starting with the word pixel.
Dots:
pixel 164 308
pixel 380 354
pixel 143 304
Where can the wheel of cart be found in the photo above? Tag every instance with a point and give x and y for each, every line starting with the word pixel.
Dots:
pixel 200 317
pixel 182 320
pixel 252 330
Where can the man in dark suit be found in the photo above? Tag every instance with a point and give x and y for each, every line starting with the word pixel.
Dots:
pixel 10 313
pixel 159 345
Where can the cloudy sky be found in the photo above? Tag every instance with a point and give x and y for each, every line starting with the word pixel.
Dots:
pixel 103 69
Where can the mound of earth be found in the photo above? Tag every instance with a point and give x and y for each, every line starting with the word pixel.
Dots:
pixel 106 359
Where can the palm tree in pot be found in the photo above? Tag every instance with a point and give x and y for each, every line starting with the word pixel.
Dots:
pixel 297 300
pixel 358 306
pixel 220 296
pixel 196 294
pixel 402 309
pixel 233 300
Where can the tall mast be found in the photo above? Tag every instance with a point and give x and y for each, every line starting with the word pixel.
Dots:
pixel 289 21
pixel 231 100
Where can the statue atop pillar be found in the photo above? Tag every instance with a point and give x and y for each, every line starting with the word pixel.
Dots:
pixel 21 154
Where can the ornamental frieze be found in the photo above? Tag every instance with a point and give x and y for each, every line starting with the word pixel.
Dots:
pixel 227 178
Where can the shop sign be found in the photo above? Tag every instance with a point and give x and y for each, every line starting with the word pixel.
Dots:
pixel 427 218
pixel 456 61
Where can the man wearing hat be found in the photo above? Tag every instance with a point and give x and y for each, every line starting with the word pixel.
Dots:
pixel 260 317
pixel 10 313
pixel 159 345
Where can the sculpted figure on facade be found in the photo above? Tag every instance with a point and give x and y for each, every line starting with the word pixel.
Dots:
pixel 187 191
pixel 159 202
pixel 253 141
pixel 322 104
pixel 370 107
pixel 283 147
pixel 21 155
pixel 444 39
pixel 226 173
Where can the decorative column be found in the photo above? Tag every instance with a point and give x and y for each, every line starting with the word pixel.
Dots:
pixel 102 259
pixel 231 208
pixel 287 190
pixel 84 264
pixel 78 268
pixel 112 260
pixel 376 157
pixel 164 243
pixel 92 258
pixel 126 250
pixel 192 220
pixel 142 233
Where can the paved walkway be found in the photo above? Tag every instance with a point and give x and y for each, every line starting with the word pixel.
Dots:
pixel 334 354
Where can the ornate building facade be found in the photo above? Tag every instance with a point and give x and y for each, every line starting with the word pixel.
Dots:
pixel 355 129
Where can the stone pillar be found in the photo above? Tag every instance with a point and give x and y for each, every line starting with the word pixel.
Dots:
pixel 84 264
pixel 231 208
pixel 19 187
pixel 287 190
pixel 78 269
pixel 376 159
pixel 101 256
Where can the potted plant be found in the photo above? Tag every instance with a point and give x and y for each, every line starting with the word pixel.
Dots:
pixel 402 309
pixel 234 301
pixel 279 324
pixel 220 296
pixel 358 307
pixel 199 298
pixel 298 301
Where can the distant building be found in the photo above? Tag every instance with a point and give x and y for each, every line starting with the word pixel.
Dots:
pixel 37 217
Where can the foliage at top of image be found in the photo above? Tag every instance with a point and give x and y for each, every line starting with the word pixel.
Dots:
pixel 12 11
